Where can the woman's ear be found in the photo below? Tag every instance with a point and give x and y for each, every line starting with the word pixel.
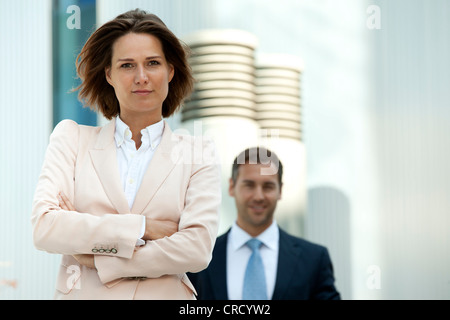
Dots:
pixel 108 75
pixel 171 72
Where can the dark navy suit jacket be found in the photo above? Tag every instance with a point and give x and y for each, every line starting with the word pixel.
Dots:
pixel 304 272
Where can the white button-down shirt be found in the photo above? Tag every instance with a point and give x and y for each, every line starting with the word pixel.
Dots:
pixel 134 163
pixel 238 254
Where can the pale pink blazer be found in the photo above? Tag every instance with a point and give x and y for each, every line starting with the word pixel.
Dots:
pixel 182 184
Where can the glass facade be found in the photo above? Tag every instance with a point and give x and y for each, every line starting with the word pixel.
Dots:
pixel 73 22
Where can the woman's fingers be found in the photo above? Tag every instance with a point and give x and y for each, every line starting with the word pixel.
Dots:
pixel 64 202
pixel 158 229
pixel 62 205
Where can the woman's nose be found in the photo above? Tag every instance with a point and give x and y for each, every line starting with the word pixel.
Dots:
pixel 141 76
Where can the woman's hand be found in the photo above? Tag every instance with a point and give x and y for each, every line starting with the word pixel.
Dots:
pixel 64 202
pixel 158 229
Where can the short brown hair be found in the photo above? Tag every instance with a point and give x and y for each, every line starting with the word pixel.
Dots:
pixel 257 155
pixel 96 55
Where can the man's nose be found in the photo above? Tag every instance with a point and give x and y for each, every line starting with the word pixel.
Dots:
pixel 259 193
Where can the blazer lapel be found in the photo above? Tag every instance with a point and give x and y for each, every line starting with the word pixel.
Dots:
pixel 288 255
pixel 160 166
pixel 104 159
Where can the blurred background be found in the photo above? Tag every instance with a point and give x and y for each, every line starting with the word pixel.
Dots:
pixel 375 128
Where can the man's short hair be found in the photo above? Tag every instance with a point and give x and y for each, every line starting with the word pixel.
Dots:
pixel 258 155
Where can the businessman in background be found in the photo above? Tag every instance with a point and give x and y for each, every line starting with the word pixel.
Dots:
pixel 255 259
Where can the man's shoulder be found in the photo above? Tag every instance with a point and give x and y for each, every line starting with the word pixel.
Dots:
pixel 222 239
pixel 299 241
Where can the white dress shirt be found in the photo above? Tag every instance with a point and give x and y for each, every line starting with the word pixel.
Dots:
pixel 238 254
pixel 134 163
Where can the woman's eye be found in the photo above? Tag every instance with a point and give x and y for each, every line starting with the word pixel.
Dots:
pixel 126 65
pixel 153 63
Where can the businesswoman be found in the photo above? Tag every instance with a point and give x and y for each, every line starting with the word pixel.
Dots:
pixel 131 206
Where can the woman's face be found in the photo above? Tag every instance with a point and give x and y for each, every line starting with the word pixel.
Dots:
pixel 140 75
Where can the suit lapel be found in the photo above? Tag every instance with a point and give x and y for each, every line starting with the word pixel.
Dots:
pixel 288 255
pixel 162 163
pixel 104 159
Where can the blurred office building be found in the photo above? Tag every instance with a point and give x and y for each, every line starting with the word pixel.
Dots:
pixel 242 99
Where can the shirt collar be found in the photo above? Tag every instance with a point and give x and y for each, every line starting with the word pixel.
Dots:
pixel 268 237
pixel 152 133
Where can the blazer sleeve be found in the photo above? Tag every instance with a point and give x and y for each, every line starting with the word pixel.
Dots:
pixel 69 232
pixel 189 249
pixel 325 288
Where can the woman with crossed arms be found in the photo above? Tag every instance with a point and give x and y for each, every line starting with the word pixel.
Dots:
pixel 130 206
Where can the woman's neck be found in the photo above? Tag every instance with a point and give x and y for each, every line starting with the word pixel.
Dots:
pixel 136 123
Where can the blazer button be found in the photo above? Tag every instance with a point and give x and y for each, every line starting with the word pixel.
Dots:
pixel 95 250
pixel 114 250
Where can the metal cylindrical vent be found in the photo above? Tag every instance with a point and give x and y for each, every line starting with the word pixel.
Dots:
pixel 223 64
pixel 278 99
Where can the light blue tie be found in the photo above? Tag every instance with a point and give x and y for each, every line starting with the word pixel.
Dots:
pixel 254 279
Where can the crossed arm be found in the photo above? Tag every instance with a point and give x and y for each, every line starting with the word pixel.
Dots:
pixel 182 245
pixel 154 229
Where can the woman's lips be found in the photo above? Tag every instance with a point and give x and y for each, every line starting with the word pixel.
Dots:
pixel 142 92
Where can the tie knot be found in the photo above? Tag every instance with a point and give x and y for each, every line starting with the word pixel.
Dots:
pixel 254 244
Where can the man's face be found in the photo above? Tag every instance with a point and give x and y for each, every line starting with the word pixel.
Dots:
pixel 256 194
